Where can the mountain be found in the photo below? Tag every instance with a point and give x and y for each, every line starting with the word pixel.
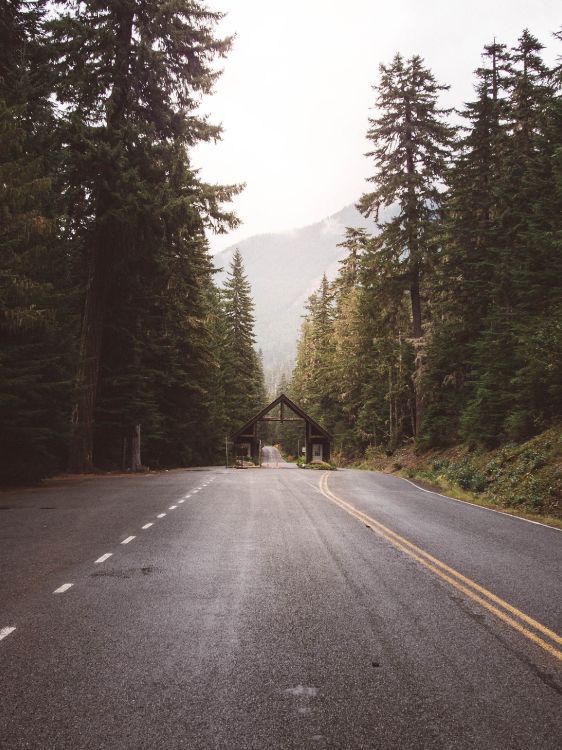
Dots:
pixel 284 269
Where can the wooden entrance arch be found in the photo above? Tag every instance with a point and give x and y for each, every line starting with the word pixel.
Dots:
pixel 317 440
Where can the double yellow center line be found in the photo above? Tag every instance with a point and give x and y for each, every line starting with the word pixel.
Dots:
pixel 504 611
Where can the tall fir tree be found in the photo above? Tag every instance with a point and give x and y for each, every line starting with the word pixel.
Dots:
pixel 312 381
pixel 129 76
pixel 411 149
pixel 35 313
pixel 470 248
pixel 499 404
pixel 243 379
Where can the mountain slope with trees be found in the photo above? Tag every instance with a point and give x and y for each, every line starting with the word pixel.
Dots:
pixel 284 268
pixel 445 328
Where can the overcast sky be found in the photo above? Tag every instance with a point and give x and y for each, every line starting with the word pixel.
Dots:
pixel 296 92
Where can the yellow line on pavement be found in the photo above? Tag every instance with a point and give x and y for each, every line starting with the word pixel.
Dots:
pixel 453 577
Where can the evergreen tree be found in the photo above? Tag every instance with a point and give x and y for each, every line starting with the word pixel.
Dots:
pixel 243 380
pixel 502 400
pixel 411 148
pixel 349 373
pixel 493 365
pixel 312 381
pixel 35 319
pixel 130 75
pixel 532 221
pixel 485 256
pixel 470 253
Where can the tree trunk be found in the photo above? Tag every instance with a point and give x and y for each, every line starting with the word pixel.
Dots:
pixel 82 448
pixel 100 271
pixel 416 302
pixel 415 297
pixel 419 345
pixel 136 464
pixel 132 449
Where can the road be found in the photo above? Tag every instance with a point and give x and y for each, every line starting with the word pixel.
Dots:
pixel 272 459
pixel 274 609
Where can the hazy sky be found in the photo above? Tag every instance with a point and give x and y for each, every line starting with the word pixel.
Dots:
pixel 296 92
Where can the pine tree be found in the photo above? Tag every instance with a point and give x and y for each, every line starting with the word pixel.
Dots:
pixel 312 383
pixel 387 416
pixel 35 319
pixel 503 400
pixel 243 379
pixel 471 239
pixel 411 148
pixel 349 344
pixel 159 363
pixel 130 75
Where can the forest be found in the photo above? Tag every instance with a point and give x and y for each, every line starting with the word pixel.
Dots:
pixel 445 326
pixel 118 351
pixel 118 348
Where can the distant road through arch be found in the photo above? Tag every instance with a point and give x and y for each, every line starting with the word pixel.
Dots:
pixel 272 459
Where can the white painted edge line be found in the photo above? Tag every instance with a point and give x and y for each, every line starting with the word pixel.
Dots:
pixel 103 558
pixel 160 515
pixel 148 525
pixel 63 588
pixel 127 540
pixel 181 501
pixel 5 632
pixel 172 507
pixel 480 507
pixel 187 497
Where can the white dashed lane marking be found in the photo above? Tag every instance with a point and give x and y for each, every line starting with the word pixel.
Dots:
pixel 63 588
pixel 5 632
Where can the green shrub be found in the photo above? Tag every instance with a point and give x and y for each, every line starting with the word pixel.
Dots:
pixel 533 459
pixel 467 476
pixel 320 465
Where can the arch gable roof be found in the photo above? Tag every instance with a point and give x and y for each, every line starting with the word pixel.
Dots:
pixel 283 399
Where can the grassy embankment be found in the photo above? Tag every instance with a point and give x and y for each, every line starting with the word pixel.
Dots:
pixel 523 479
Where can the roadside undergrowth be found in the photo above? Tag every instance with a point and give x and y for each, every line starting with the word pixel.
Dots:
pixel 524 479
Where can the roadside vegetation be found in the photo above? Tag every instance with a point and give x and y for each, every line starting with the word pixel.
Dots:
pixel 319 465
pixel 438 346
pixel 520 478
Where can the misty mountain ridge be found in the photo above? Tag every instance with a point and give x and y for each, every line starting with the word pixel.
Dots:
pixel 283 269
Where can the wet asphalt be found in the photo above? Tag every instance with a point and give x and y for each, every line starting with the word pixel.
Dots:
pixel 272 459
pixel 259 614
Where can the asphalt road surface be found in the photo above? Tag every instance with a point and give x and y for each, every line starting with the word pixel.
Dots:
pixel 274 609
pixel 272 459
